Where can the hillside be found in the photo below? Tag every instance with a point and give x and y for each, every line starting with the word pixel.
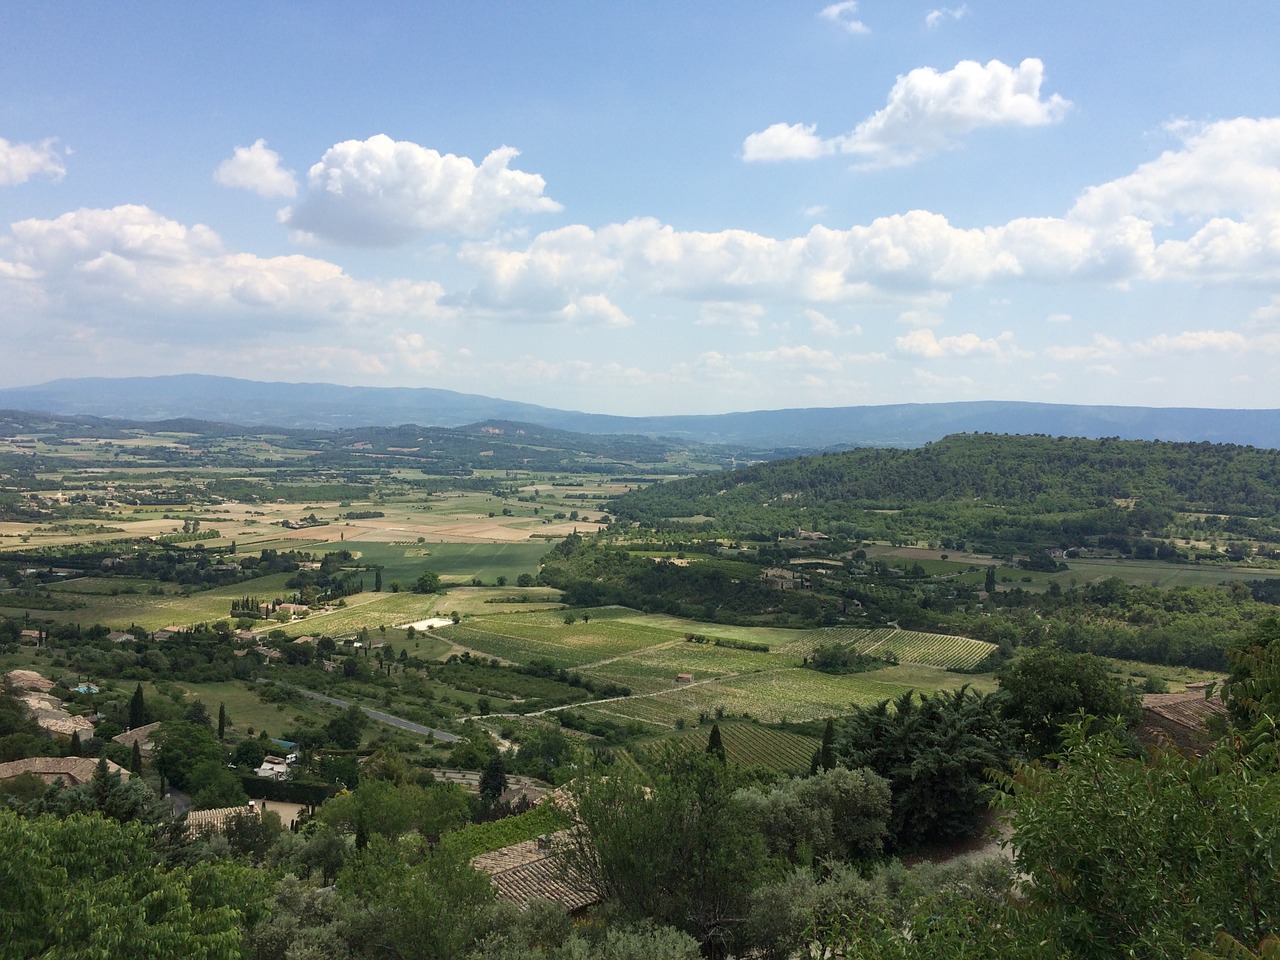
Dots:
pixel 999 489
pixel 330 406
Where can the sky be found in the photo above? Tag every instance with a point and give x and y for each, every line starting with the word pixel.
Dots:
pixel 649 208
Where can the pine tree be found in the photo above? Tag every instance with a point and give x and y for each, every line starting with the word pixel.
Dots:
pixel 715 746
pixel 137 709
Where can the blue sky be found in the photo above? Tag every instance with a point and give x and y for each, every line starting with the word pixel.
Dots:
pixel 649 208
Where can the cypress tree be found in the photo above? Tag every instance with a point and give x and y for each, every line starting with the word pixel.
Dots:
pixel 76 747
pixel 715 746
pixel 135 761
pixel 827 753
pixel 222 720
pixel 137 709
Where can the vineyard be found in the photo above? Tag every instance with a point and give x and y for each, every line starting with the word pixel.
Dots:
pixel 907 646
pixel 752 744
pixel 648 653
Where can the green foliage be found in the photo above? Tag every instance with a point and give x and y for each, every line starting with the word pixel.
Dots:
pixel 675 849
pixel 87 887
pixel 428 582
pixel 432 908
pixel 1045 688
pixel 935 752
pixel 1179 848
pixel 835 815
pixel 477 838
pixel 181 747
pixel 380 808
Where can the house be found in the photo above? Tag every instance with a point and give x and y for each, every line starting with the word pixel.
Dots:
pixel 72 771
pixel 28 680
pixel 273 768
pixel 216 820
pixel 684 678
pixel 120 636
pixel 141 736
pixel 535 870
pixel 1182 720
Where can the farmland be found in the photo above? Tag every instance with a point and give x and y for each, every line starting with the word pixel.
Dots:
pixel 646 654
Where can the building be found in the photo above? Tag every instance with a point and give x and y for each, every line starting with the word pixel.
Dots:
pixel 72 771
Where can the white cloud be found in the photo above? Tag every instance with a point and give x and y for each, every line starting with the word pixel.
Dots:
pixel 382 192
pixel 256 168
pixel 1099 348
pixel 595 309
pixel 19 162
pixel 845 14
pixel 819 322
pixel 800 355
pixel 786 141
pixel 923 343
pixel 934 17
pixel 1193 341
pixel 926 112
pixel 1058 318
pixel 139 274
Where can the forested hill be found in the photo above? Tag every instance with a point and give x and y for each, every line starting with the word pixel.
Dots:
pixel 1019 473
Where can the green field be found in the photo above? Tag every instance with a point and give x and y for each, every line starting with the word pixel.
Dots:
pixel 455 562
pixel 647 653
pixel 156 612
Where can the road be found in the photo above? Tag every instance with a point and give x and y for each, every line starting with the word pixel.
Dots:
pixel 444 736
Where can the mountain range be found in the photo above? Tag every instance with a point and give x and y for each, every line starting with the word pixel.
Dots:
pixel 330 406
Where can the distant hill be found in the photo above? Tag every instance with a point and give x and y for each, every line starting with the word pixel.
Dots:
pixel 328 406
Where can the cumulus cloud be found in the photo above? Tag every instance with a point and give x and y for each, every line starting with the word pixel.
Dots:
pixel 382 192
pixel 19 162
pixel 927 111
pixel 935 17
pixel 846 15
pixel 786 141
pixel 256 168
pixel 139 273
pixel 1119 234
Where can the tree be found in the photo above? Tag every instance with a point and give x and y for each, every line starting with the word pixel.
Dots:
pixel 935 752
pixel 989 583
pixel 135 758
pixel 834 815
pixel 137 709
pixel 715 747
pixel 428 582
pixel 493 779
pixel 674 846
pixel 1046 687
pixel 181 746
pixel 85 886
pixel 199 713
pixel 76 748
pixel 1182 847
pixel 377 580
pixel 222 721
